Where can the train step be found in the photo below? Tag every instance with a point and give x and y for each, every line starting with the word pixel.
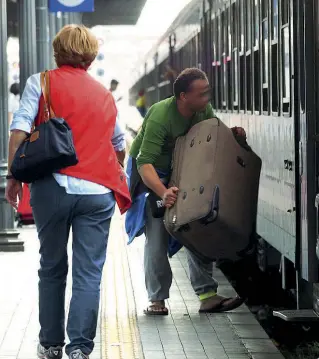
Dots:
pixel 298 315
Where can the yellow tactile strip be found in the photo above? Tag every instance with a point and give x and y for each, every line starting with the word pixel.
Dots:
pixel 119 330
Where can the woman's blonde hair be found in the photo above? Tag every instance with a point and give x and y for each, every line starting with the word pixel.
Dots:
pixel 76 46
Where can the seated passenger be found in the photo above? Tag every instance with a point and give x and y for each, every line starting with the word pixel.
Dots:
pixel 150 157
pixel 82 196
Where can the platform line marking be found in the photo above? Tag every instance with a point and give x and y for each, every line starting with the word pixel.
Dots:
pixel 119 329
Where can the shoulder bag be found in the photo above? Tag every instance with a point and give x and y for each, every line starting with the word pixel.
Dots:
pixel 48 148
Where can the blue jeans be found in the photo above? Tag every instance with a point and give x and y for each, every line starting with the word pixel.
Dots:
pixel 55 212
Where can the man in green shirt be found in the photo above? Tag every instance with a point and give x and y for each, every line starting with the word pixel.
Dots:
pixel 152 149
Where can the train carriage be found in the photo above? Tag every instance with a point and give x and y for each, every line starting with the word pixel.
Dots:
pixel 261 58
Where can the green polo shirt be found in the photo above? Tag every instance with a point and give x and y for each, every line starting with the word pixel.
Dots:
pixel 163 123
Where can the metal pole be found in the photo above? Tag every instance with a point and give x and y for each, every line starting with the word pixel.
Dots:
pixel 8 235
pixel 27 40
pixel 65 18
pixel 52 27
pixel 72 18
pixel 58 21
pixel 43 54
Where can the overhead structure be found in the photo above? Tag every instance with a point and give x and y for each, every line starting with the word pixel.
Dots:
pixel 107 12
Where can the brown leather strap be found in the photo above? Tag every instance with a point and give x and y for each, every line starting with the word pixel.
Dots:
pixel 45 86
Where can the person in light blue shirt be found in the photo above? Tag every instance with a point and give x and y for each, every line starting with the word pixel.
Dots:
pixel 62 202
pixel 23 120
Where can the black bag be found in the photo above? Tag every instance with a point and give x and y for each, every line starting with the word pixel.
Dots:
pixel 156 204
pixel 48 148
pixel 137 186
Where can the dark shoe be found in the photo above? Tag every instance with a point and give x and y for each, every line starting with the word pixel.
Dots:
pixel 219 304
pixel 77 354
pixel 156 308
pixel 51 353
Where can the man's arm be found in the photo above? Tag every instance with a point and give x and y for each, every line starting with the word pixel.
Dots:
pixel 151 147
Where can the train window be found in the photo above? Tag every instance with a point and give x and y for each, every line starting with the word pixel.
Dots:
pixel 214 83
pixel 242 26
pixel 265 67
pixel 229 32
pixel 223 58
pixel 257 81
pixel 234 16
pixel 255 9
pixel 274 29
pixel 248 82
pixel 285 68
pixel 225 31
pixel 285 11
pixel 235 78
pixel 265 59
pixel 264 9
pixel 274 79
pixel 197 41
pixel 242 83
pixel 248 25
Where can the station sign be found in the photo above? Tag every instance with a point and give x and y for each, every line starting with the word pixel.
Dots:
pixel 71 5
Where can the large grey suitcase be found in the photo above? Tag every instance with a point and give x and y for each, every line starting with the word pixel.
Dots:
pixel 218 180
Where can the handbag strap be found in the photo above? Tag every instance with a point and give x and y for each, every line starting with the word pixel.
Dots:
pixel 45 86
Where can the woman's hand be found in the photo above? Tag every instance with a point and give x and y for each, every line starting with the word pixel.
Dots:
pixel 13 192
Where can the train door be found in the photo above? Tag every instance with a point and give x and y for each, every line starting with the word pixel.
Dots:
pixel 306 123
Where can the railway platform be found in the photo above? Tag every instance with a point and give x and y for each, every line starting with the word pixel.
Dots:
pixel 124 332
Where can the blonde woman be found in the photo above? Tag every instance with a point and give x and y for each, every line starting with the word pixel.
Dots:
pixel 82 196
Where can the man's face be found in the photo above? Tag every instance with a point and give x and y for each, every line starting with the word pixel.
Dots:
pixel 198 96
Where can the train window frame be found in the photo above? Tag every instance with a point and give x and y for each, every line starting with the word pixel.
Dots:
pixel 256 64
pixel 265 66
pixel 274 21
pixel 286 70
pixel 223 31
pixel 234 15
pixel 248 27
pixel 264 9
pixel 235 79
pixel 256 24
pixel 235 12
pixel 219 60
pixel 241 27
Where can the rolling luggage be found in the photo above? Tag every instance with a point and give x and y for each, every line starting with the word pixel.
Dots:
pixel 217 175
pixel 24 212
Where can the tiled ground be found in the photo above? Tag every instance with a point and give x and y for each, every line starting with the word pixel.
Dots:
pixel 124 331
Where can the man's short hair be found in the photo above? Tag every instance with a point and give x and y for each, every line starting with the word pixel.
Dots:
pixel 114 82
pixel 185 79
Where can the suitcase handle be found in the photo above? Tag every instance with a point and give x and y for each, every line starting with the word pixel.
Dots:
pixel 213 214
pixel 241 162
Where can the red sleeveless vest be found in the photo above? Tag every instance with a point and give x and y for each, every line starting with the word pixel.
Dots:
pixel 90 111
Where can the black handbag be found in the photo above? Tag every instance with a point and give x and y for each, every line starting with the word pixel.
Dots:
pixel 48 148
pixel 156 205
